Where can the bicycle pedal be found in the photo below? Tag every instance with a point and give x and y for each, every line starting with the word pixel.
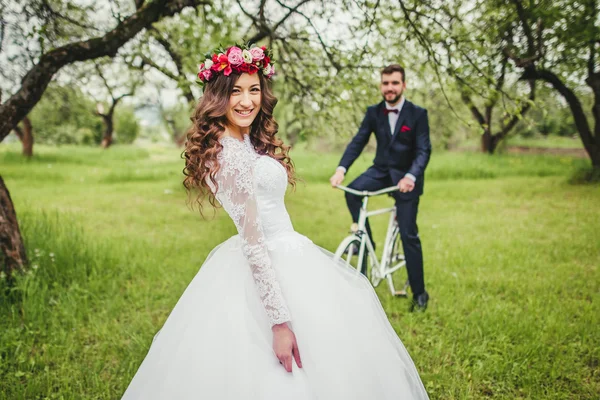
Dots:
pixel 401 293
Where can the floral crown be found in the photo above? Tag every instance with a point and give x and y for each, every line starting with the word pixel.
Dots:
pixel 239 59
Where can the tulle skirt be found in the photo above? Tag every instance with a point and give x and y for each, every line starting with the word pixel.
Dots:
pixel 217 341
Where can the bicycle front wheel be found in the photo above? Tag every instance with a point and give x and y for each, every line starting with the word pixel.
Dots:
pixel 397 280
pixel 347 253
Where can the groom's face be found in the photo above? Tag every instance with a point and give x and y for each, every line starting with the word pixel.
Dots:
pixel 392 87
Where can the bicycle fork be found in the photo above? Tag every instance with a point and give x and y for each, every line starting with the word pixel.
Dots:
pixel 364 236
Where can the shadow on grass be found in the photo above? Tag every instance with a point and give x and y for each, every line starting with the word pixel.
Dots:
pixel 585 176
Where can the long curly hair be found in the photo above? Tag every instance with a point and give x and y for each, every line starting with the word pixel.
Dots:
pixel 208 124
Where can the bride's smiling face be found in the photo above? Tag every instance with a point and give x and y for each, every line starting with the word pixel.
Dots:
pixel 245 101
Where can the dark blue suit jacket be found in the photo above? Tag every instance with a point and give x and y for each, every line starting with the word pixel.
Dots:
pixel 407 150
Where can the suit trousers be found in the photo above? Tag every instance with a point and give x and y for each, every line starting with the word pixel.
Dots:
pixel 406 215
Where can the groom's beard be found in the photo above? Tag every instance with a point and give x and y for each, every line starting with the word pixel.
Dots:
pixel 394 100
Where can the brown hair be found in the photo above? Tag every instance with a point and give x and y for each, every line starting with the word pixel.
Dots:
pixel 208 124
pixel 394 68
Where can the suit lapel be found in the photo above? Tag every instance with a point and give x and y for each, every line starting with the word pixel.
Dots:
pixel 406 109
pixel 383 119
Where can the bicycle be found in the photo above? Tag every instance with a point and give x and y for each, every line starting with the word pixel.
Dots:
pixel 358 243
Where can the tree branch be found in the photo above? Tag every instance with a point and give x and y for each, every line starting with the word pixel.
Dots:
pixel 116 101
pixel 581 122
pixel 261 10
pixel 533 53
pixel 526 28
pixel 501 78
pixel 175 56
pixel 493 98
pixel 39 76
pixel 466 98
pixel 255 20
pixel 369 28
pixel 515 118
pixel 2 28
pixel 330 56
pixel 431 55
pixel 106 85
pixel 162 70
pixel 55 14
pixel 264 30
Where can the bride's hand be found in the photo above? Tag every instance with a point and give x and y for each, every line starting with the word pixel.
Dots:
pixel 285 346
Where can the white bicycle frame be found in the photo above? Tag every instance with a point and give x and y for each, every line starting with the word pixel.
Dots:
pixel 379 269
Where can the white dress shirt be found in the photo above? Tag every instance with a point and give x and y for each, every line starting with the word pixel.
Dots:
pixel 393 117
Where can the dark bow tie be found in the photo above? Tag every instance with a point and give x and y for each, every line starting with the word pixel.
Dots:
pixel 386 111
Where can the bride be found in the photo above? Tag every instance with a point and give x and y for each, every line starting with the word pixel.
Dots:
pixel 269 315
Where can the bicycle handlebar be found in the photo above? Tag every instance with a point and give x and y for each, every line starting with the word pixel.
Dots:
pixel 366 193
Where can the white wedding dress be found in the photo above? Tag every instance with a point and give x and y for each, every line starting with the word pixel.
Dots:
pixel 217 342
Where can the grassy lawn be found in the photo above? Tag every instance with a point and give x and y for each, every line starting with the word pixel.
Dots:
pixel 560 142
pixel 543 142
pixel 512 256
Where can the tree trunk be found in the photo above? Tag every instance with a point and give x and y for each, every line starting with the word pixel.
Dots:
pixel 178 137
pixel 590 143
pixel 27 139
pixel 593 81
pixel 107 141
pixel 35 82
pixel 595 156
pixel 107 138
pixel 489 142
pixel 25 135
pixel 180 141
pixel 12 250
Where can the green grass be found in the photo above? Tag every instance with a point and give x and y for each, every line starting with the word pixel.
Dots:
pixel 511 263
pixel 560 142
pixel 539 141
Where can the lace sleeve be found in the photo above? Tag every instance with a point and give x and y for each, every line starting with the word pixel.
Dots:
pixel 236 194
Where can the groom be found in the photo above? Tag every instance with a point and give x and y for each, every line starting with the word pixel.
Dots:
pixel 403 149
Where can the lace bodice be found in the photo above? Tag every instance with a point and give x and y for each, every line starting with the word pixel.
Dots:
pixel 251 188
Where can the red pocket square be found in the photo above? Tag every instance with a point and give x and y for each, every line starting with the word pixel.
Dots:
pixel 404 128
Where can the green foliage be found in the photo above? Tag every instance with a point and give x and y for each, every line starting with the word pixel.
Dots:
pixel 551 116
pixel 127 127
pixel 466 46
pixel 511 264
pixel 65 115
pixel 191 36
pixel 177 119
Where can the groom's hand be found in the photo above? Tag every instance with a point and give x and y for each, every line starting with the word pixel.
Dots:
pixel 337 178
pixel 406 185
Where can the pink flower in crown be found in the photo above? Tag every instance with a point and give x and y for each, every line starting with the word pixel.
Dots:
pixel 257 53
pixel 269 70
pixel 234 56
pixel 206 75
